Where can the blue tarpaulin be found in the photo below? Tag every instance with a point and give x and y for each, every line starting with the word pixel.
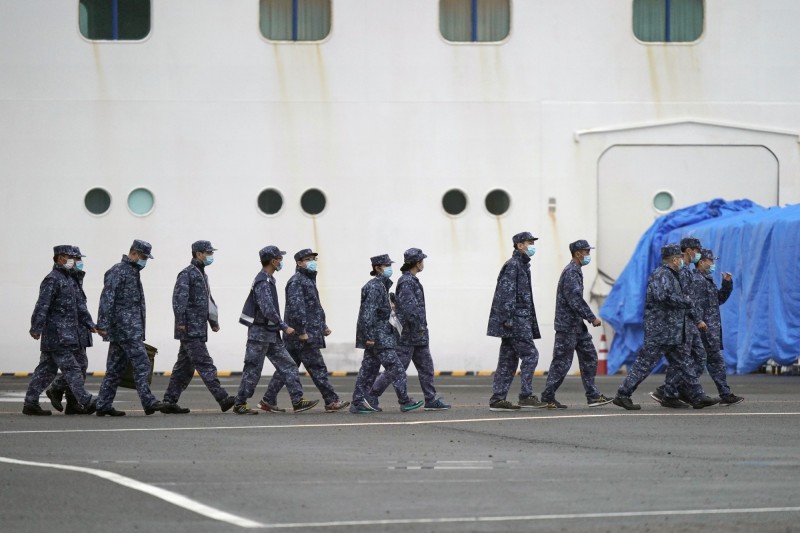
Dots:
pixel 760 247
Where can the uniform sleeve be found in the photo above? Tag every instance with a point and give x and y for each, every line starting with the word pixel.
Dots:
pixel 104 314
pixel 83 312
pixel 725 291
pixel 506 292
pixel 47 291
pixel 180 298
pixel 295 298
pixel 266 305
pixel 574 296
pixel 664 292
pixel 409 308
pixel 366 314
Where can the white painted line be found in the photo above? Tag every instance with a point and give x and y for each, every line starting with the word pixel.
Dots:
pixel 151 490
pixel 474 519
pixel 399 423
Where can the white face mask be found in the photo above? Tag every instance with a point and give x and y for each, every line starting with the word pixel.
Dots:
pixel 69 264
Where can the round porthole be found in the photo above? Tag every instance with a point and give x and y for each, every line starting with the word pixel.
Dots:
pixel 97 201
pixel 313 201
pixel 498 202
pixel 270 201
pixel 141 202
pixel 663 201
pixel 454 202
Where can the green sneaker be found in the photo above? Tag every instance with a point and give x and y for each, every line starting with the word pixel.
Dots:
pixel 503 405
pixel 242 409
pixel 304 405
pixel 411 405
pixel 600 400
pixel 531 402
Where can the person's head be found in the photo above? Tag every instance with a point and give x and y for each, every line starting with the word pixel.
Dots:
pixel 306 259
pixel 691 249
pixel 581 252
pixel 203 252
pixel 77 256
pixel 64 255
pixel 672 256
pixel 525 243
pixel 381 266
pixel 140 252
pixel 413 260
pixel 271 258
pixel 707 262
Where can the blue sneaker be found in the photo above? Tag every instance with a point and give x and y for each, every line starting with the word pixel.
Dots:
pixel 372 403
pixel 361 409
pixel 410 405
pixel 436 405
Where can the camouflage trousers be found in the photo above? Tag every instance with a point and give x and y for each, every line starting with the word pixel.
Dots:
pixel 566 344
pixel 60 385
pixel 514 352
pixel 423 362
pixel 119 353
pixel 647 359
pixel 49 365
pixel 371 367
pixel 693 351
pixel 718 372
pixel 311 358
pixel 193 355
pixel 254 363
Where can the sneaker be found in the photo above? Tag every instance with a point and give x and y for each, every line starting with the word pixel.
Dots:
pixel 705 401
pixel 109 412
pixel 626 403
pixel 269 408
pixel 361 409
pixel 34 409
pixel 242 409
pixel 410 405
pixel 55 398
pixel 227 403
pixel 372 404
pixel 555 404
pixel 338 405
pixel 731 399
pixel 436 405
pixel 673 403
pixel 658 395
pixel 304 405
pixel 531 402
pixel 600 400
pixel 174 409
pixel 158 406
pixel 503 405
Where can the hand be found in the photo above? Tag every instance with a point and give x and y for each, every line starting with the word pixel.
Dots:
pixel 596 322
pixel 36 336
pixel 727 276
pixel 289 330
pixel 101 332
pixel 303 337
pixel 215 328
pixel 327 331
pixel 370 344
pixel 702 326
pixel 93 330
pixel 181 328
pixel 508 324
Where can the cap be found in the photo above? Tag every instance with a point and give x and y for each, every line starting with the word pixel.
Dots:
pixel 143 247
pixel 670 250
pixel 76 252
pixel 524 236
pixel 62 249
pixel 579 245
pixel 705 253
pixel 381 260
pixel 202 246
pixel 413 255
pixel 305 252
pixel 690 242
pixel 270 252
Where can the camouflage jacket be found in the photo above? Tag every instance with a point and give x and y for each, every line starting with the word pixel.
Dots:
pixel 373 315
pixel 410 310
pixel 571 308
pixel 85 340
pixel 190 300
pixel 268 324
pixel 60 314
pixel 687 285
pixel 666 308
pixel 513 314
pixel 122 311
pixel 304 311
pixel 707 301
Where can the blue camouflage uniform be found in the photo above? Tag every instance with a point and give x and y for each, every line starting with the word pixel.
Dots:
pixel 513 319
pixel 665 331
pixel 305 314
pixel 373 325
pixel 572 335
pixel 191 304
pixel 58 318
pixel 122 316
pixel 264 337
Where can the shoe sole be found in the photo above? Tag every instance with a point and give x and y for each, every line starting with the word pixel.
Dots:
pixel 557 407
pixel 101 413
pixel 533 406
pixel 503 409
pixel 598 404
pixel 653 396
pixel 737 402
pixel 344 406
pixel 412 408
pixel 435 408
pixel 250 412
pixel 276 411
pixel 634 407
pixel 681 406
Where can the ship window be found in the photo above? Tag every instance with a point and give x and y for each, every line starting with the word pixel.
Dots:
pixel 97 201
pixel 295 20
pixel 114 20
pixel 498 202
pixel 313 201
pixel 663 201
pixel 474 20
pixel 270 201
pixel 667 21
pixel 454 202
pixel 141 202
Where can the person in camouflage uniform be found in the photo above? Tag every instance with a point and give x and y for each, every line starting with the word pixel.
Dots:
pixel 513 319
pixel 59 388
pixel 194 310
pixel 57 320
pixel 304 313
pixel 121 322
pixel 377 336
pixel 665 331
pixel 414 344
pixel 572 334
pixel 264 339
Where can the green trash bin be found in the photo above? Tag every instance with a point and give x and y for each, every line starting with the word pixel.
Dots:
pixel 127 376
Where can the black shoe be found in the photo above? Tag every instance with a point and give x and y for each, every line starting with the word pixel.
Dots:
pixel 673 403
pixel 227 403
pixel 600 400
pixel 555 404
pixel 34 409
pixel 626 403
pixel 158 406
pixel 503 405
pixel 55 398
pixel 682 396
pixel 658 395
pixel 173 409
pixel 729 400
pixel 705 401
pixel 110 412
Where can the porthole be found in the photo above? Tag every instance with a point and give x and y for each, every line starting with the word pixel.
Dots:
pixel 313 201
pixel 97 201
pixel 663 201
pixel 270 201
pixel 498 202
pixel 141 202
pixel 454 202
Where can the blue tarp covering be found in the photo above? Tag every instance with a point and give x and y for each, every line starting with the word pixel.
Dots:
pixel 760 247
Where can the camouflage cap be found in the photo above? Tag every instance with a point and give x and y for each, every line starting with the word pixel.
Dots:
pixel 690 242
pixel 270 252
pixel 143 247
pixel 305 252
pixel 524 236
pixel 705 253
pixel 579 245
pixel 202 246
pixel 62 249
pixel 413 255
pixel 381 260
pixel 76 252
pixel 670 250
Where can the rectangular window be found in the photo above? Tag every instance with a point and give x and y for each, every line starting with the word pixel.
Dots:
pixel 114 20
pixel 295 20
pixel 474 20
pixel 667 21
